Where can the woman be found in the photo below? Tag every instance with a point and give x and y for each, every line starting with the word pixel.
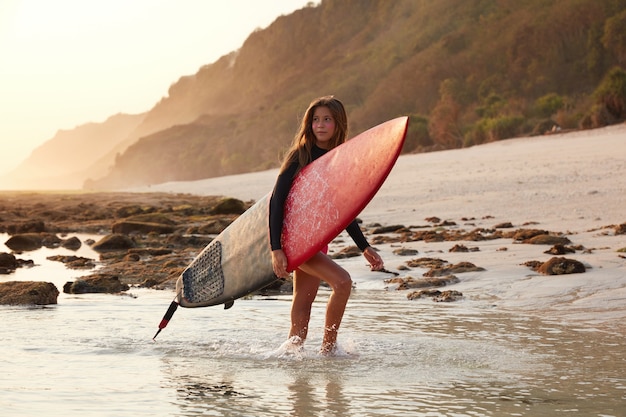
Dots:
pixel 324 127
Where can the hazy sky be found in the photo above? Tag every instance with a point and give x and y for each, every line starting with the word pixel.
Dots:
pixel 64 63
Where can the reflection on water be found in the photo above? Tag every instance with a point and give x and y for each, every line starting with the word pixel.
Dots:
pixel 92 354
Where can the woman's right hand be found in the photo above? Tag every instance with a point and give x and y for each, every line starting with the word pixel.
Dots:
pixel 279 263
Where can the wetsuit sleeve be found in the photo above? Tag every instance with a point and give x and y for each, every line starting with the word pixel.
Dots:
pixel 356 234
pixel 277 204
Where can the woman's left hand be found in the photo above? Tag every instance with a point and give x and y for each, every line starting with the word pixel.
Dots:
pixel 373 258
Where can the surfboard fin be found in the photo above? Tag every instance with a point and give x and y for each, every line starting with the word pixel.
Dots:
pixel 228 304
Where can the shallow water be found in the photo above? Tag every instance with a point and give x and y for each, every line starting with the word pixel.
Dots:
pixel 93 355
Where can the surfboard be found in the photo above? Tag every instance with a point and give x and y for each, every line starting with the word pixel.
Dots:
pixel 325 197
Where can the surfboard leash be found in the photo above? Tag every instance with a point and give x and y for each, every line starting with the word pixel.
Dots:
pixel 168 316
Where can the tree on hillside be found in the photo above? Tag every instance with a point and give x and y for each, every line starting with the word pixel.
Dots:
pixel 445 127
pixel 614 39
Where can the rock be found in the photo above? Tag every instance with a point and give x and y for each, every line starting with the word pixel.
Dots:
pixel 34 226
pixel 229 206
pixel 159 218
pixel 8 261
pixel 560 266
pixel 534 265
pixel 213 227
pixel 505 225
pixel 28 293
pixel 98 283
pixel 462 248
pixel 113 242
pixel 448 296
pixel 24 242
pixel 32 241
pixel 74 262
pixel 426 263
pixel 453 269
pixel 150 251
pixel 437 296
pixel 405 252
pixel 547 240
pixel 410 282
pixel 389 229
pixel 559 250
pixel 194 241
pixel 348 252
pixel 127 227
pixel 72 243
pixel 525 234
pixel 620 229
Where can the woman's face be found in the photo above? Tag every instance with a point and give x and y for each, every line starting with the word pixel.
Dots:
pixel 323 126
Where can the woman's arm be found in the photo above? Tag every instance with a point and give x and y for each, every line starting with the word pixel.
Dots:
pixel 277 205
pixel 372 257
pixel 276 217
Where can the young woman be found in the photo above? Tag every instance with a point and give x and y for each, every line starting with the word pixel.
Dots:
pixel 324 127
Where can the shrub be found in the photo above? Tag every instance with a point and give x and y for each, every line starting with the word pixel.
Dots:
pixel 547 105
pixel 417 134
pixel 611 93
pixel 492 129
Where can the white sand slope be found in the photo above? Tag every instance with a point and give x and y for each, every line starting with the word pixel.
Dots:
pixel 574 183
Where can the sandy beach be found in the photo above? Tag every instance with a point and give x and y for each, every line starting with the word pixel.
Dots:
pixel 570 183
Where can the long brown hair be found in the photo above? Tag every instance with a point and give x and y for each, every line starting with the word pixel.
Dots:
pixel 304 140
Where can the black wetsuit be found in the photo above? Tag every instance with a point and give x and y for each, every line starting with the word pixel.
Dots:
pixel 277 206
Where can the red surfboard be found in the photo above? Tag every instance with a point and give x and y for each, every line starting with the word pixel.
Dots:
pixel 329 193
pixel 325 197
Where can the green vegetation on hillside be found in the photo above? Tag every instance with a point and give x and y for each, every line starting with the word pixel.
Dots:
pixel 466 71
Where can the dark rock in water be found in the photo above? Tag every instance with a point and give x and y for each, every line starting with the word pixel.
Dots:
pixel 24 242
pixel 560 266
pixel 127 227
pixel 8 261
pixel 74 262
pixel 98 283
pixel 437 296
pixel 28 293
pixel 73 243
pixel 113 242
pixel 448 296
pixel 32 241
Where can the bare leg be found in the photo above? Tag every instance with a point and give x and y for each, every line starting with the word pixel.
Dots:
pixel 321 267
pixel 304 291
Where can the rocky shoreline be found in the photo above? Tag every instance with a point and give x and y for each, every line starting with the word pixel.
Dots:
pixel 149 238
